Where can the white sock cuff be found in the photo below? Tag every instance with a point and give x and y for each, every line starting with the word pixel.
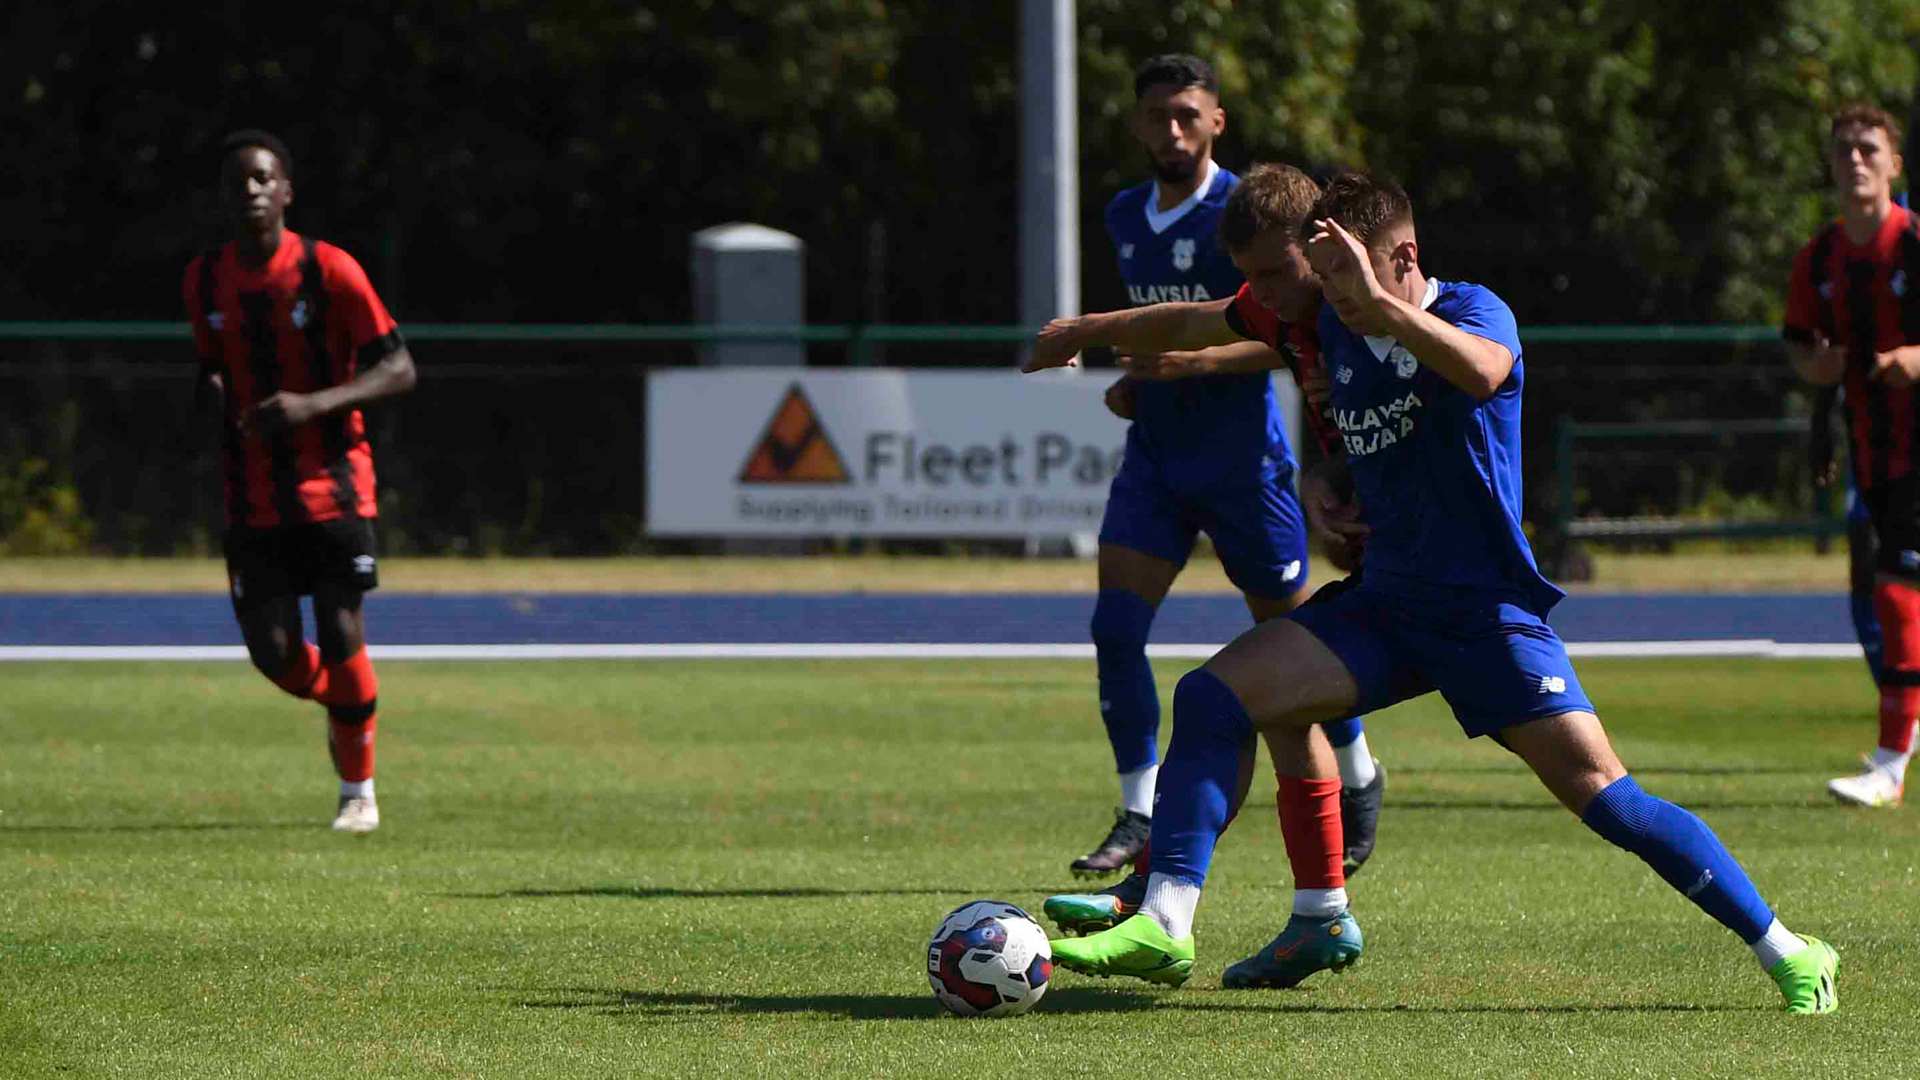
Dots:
pixel 1356 763
pixel 1136 789
pixel 1319 903
pixel 1171 902
pixel 357 789
pixel 1776 944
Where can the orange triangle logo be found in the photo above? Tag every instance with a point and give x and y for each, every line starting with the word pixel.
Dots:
pixel 794 448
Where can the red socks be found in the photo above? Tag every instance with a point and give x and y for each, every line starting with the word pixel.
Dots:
pixel 1310 821
pixel 351 694
pixel 1898 608
pixel 303 677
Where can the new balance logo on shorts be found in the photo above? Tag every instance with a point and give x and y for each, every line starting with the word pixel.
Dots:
pixel 1552 684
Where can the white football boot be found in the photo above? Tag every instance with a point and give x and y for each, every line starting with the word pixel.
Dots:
pixel 1877 786
pixel 357 815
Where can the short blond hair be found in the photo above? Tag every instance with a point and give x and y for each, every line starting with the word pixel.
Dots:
pixel 1268 197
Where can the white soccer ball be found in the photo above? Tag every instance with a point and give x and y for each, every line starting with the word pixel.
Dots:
pixel 989 959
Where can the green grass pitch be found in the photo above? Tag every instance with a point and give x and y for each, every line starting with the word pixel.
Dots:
pixel 720 868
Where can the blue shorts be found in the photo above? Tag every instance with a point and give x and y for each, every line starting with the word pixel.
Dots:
pixel 1496 664
pixel 1256 524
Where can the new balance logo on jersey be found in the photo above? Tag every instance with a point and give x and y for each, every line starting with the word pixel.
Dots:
pixel 1160 294
pixel 1404 365
pixel 300 315
pixel 1126 251
pixel 1826 290
pixel 217 320
pixel 1552 684
pixel 1183 254
pixel 1342 374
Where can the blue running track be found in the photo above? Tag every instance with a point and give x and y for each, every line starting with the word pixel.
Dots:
pixel 584 618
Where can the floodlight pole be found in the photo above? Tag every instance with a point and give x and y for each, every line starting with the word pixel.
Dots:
pixel 1049 163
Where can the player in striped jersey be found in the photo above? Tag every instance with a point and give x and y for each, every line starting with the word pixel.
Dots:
pixel 292 341
pixel 1853 321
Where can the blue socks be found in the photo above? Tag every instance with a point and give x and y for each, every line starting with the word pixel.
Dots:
pixel 1211 733
pixel 1680 848
pixel 1342 732
pixel 1128 701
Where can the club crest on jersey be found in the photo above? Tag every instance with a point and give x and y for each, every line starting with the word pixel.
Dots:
pixel 217 320
pixel 1126 251
pixel 1183 254
pixel 1826 290
pixel 300 315
pixel 1898 283
pixel 1404 365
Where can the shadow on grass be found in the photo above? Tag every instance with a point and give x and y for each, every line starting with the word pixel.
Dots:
pixel 850 1006
pixel 164 827
pixel 1393 804
pixel 1199 1004
pixel 629 892
pixel 693 1006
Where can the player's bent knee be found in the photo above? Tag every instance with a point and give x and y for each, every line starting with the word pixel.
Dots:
pixel 1121 620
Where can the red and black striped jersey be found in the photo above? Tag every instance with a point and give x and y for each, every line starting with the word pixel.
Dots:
pixel 1299 343
pixel 306 321
pixel 1865 297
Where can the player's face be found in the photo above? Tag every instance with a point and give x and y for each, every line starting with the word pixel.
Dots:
pixel 1279 275
pixel 1862 162
pixel 254 189
pixel 1177 125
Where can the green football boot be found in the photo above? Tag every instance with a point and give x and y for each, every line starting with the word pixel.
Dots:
pixel 1137 947
pixel 1306 945
pixel 1805 978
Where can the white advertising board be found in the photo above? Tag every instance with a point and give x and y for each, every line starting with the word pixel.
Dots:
pixel 877 452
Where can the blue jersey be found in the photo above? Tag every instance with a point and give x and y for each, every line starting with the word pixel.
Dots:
pixel 1214 426
pixel 1437 473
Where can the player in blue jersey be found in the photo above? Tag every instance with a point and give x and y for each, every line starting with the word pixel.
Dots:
pixel 1207 451
pixel 1426 387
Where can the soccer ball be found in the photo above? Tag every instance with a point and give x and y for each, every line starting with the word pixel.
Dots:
pixel 989 959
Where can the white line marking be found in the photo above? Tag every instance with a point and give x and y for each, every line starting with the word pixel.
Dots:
pixel 1755 647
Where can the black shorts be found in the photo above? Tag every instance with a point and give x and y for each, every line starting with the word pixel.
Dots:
pixel 291 560
pixel 1894 508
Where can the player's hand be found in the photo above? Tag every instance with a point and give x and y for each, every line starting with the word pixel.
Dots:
pixel 1054 346
pixel 1826 363
pixel 1333 512
pixel 1342 262
pixel 1161 367
pixel 279 412
pixel 1898 368
pixel 1120 397
pixel 1317 387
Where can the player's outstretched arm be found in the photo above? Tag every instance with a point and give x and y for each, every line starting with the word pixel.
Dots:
pixel 1240 358
pixel 1156 328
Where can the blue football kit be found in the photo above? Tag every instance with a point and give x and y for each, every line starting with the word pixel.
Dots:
pixel 1208 453
pixel 1451 598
